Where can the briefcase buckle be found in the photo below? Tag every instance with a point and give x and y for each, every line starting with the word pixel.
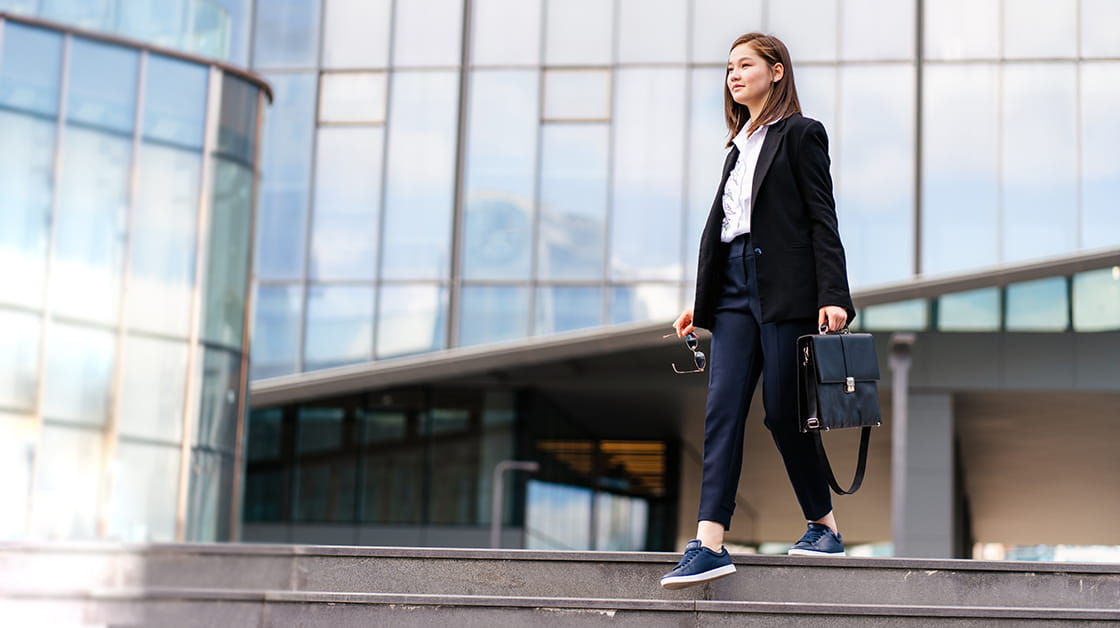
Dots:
pixel 849 384
pixel 812 423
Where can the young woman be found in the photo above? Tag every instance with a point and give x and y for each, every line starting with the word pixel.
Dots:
pixel 771 269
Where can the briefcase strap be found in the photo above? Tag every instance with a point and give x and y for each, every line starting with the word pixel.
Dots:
pixel 864 439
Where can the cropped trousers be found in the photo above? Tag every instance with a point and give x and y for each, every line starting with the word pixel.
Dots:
pixel 743 348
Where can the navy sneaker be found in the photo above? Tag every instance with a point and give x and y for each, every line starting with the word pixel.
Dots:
pixel 819 540
pixel 699 564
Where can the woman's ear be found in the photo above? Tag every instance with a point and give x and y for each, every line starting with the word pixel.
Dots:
pixel 777 71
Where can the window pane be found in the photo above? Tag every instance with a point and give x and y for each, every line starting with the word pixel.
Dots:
pixel 975 310
pixel 286 34
pixel 573 201
pixel 1100 169
pixel 420 175
pixel 961 29
pixel 352 97
pixel 493 314
pixel 79 373
pixel 339 326
pixel 716 24
pixel 220 375
pixel 26 178
pixel 17 454
pixel 960 168
pixel 19 359
pixel 411 319
pixel 428 34
pixel 557 516
pixel 1037 28
pixel 276 330
pixel 153 389
pixel 577 95
pixel 145 493
pixel 1099 19
pixel 90 225
pixel 1039 186
pixel 1096 300
pixel 320 429
pixel 506 32
pixel 818 92
pixel 454 482
pixel 875 195
pixel 500 173
pixel 210 499
pixel 285 176
pixel 707 135
pixel 237 127
pixel 68 484
pixel 175 101
pixel 102 89
pixel 651 31
pixel 1041 305
pixel 381 425
pixel 807 40
pixel 227 268
pixel 901 316
pixel 876 30
pixel 389 480
pixel 647 302
pixel 565 308
pixel 578 32
pixel 30 64
pixel 266 434
pixel 357 33
pixel 163 240
pixel 645 242
pixel 347 202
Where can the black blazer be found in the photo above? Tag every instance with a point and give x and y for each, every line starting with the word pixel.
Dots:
pixel 801 267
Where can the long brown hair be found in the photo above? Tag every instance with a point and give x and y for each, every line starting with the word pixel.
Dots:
pixel 782 101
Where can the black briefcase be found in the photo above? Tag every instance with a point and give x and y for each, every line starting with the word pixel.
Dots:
pixel 837 387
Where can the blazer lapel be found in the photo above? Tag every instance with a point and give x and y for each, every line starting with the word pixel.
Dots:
pixel 766 156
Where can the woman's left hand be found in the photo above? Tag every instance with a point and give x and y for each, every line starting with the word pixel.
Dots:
pixel 834 315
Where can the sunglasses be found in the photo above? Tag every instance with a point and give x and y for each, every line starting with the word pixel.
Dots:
pixel 693 344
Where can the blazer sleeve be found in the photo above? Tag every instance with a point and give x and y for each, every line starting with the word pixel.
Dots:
pixel 815 183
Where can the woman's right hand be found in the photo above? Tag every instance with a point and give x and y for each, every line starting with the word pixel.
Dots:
pixel 683 324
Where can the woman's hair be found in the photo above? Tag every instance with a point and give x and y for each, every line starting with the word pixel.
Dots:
pixel 783 98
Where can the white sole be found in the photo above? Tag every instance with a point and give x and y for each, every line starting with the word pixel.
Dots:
pixel 794 552
pixel 680 582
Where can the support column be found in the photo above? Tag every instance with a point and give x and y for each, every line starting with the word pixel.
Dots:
pixel 923 469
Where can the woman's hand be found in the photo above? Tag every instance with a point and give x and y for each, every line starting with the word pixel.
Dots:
pixel 834 315
pixel 683 324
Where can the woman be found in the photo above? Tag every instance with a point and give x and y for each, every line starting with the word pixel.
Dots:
pixel 771 269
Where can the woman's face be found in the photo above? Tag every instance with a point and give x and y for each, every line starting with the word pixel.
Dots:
pixel 749 78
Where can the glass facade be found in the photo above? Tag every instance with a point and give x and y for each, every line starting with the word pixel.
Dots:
pixel 207 28
pixel 557 177
pixel 128 204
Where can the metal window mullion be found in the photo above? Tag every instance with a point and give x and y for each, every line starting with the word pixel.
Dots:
pixel 246 326
pixel 112 429
pixel 379 257
pixel 919 112
pixel 535 227
pixel 52 223
pixel 192 398
pixel 454 297
pixel 606 298
pixel 686 178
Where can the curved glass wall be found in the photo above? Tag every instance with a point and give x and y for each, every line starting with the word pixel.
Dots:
pixel 199 27
pixel 557 177
pixel 128 180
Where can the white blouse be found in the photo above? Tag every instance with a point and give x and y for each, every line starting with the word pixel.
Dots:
pixel 737 192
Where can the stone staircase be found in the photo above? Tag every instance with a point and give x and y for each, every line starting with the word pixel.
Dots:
pixel 318 586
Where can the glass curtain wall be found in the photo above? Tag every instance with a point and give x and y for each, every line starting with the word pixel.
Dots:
pixel 127 205
pixel 545 166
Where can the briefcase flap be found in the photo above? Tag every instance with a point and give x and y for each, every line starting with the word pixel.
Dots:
pixel 840 356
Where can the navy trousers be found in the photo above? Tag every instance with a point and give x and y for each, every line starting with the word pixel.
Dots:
pixel 742 349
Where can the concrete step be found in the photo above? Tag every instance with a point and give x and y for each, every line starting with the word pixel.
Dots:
pixel 533 574
pixel 188 608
